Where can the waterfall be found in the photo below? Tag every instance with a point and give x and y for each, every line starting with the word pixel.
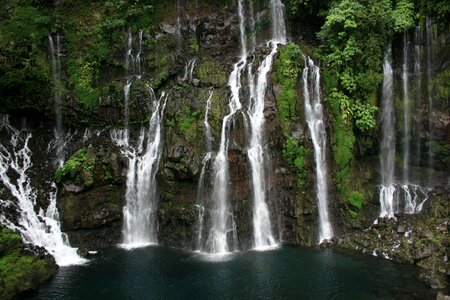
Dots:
pixel 222 227
pixel 430 98
pixel 278 26
pixel 189 71
pixel 208 135
pixel 222 223
pixel 262 228
pixel 387 152
pixel 140 219
pixel 418 74
pixel 133 63
pixel 406 109
pixel 55 52
pixel 201 191
pixel 42 228
pixel 315 119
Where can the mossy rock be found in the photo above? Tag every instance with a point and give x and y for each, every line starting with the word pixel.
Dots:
pixel 211 72
pixel 20 271
pixel 78 169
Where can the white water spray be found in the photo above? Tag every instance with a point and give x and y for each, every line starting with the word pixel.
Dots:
pixel 42 228
pixel 140 219
pixel 315 119
pixel 387 153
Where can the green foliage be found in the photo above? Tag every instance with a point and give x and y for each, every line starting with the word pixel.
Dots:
pixel 441 86
pixel 186 121
pixel 193 46
pixel 403 15
pixel 25 80
pixel 343 137
pixel 441 150
pixel 355 201
pixel 287 71
pixel 295 154
pixel 438 9
pixel 78 169
pixel 363 114
pixel 83 74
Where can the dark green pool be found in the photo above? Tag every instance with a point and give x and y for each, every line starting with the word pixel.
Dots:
pixel 285 273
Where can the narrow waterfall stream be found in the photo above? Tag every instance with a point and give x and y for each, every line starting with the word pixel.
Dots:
pixel 42 228
pixel 202 194
pixel 55 51
pixel 406 109
pixel 315 119
pixel 388 202
pixel 262 227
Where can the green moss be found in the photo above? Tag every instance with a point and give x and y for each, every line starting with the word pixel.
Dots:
pixel 343 137
pixel 20 271
pixel 78 169
pixel 353 214
pixel 193 46
pixel 287 70
pixel 356 199
pixel 441 86
pixel 211 71
pixel 187 121
pixel 295 154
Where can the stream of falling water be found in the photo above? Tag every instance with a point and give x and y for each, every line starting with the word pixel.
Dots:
pixel 42 228
pixel 387 152
pixel 315 119
pixel 140 219
pixel 55 51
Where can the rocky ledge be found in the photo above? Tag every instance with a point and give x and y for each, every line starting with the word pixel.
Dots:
pixel 411 239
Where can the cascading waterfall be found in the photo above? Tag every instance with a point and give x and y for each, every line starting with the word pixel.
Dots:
pixel 387 151
pixel 42 228
pixel 262 228
pixel 55 51
pixel 222 224
pixel 315 119
pixel 140 226
pixel 189 71
pixel 201 191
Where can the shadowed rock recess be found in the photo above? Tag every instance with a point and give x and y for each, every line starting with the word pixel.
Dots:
pixel 76 74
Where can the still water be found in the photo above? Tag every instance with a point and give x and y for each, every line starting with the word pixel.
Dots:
pixel 284 273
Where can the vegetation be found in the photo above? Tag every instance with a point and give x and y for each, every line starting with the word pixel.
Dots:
pixel 20 271
pixel 288 67
pixel 295 154
pixel 79 169
pixel 355 202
